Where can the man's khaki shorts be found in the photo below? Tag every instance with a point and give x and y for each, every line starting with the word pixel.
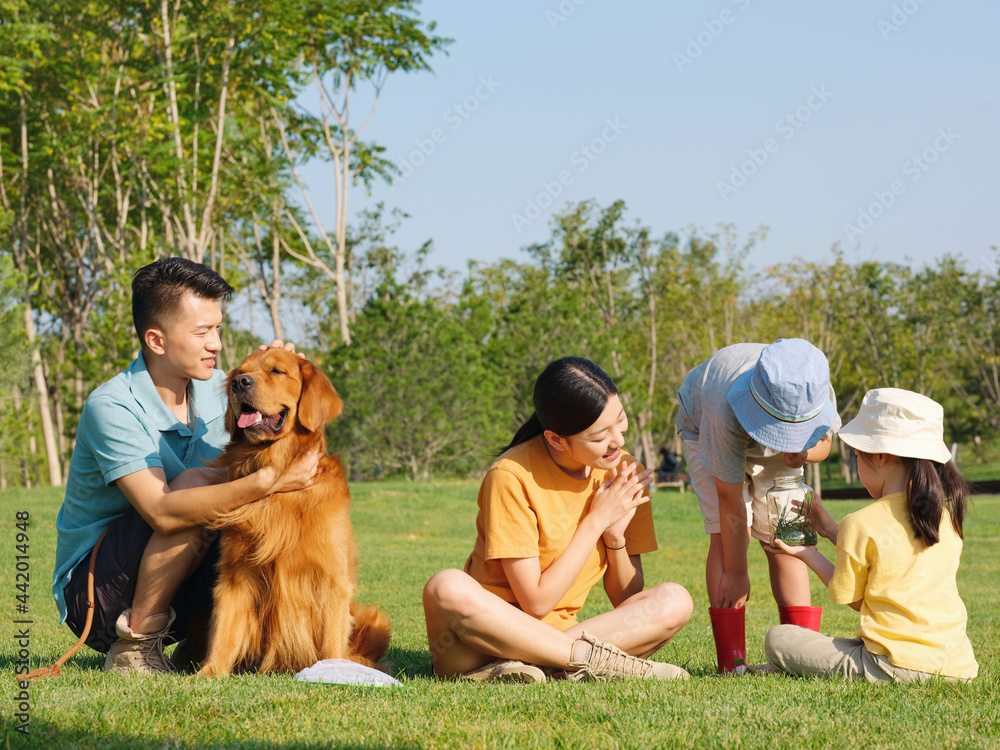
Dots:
pixel 758 480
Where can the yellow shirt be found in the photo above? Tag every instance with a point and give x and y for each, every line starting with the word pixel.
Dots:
pixel 911 611
pixel 529 507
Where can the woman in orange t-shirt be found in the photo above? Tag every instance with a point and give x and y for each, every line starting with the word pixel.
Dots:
pixel 561 508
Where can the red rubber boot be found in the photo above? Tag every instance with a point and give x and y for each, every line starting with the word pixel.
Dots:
pixel 729 631
pixel 806 617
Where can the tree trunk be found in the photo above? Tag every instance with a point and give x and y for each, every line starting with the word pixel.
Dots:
pixel 274 300
pixel 846 461
pixel 44 413
pixel 343 182
pixel 25 470
pixel 646 441
pixel 194 232
pixel 58 409
pixel 815 480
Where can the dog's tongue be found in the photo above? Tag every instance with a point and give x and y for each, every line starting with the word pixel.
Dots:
pixel 248 418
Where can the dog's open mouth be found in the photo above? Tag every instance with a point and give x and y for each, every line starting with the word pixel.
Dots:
pixel 251 419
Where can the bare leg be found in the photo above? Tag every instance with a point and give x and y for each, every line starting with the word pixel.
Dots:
pixel 789 579
pixel 644 622
pixel 168 561
pixel 467 627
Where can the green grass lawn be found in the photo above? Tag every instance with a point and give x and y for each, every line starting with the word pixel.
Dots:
pixel 405 533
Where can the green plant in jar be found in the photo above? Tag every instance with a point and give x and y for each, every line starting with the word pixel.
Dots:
pixel 789 509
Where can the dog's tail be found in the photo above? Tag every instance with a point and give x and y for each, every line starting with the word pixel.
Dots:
pixel 370 637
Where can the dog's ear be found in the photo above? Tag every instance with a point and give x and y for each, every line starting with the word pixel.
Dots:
pixel 231 415
pixel 319 402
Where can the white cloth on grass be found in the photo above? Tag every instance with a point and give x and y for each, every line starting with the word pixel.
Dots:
pixel 345 672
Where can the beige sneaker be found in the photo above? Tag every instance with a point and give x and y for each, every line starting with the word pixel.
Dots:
pixel 592 660
pixel 506 670
pixel 141 653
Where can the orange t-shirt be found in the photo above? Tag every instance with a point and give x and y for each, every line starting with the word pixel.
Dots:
pixel 529 507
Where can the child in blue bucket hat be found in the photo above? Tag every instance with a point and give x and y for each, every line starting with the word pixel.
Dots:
pixel 746 413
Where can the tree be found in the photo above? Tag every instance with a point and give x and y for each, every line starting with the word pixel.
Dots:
pixel 417 393
pixel 977 384
pixel 697 285
pixel 21 40
pixel 351 43
pixel 15 422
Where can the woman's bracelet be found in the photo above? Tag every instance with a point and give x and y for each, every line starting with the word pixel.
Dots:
pixel 613 549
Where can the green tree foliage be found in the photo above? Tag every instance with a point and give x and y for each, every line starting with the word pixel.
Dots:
pixel 138 129
pixel 419 398
pixel 976 334
pixel 134 130
pixel 351 44
pixel 647 310
pixel 17 421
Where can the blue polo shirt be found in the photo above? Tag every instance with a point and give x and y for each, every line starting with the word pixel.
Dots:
pixel 125 427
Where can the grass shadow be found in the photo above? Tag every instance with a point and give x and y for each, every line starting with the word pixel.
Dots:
pixel 409 663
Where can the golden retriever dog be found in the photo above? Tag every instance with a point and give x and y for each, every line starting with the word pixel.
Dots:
pixel 284 598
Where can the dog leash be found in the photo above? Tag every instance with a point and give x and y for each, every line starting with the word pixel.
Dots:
pixel 55 669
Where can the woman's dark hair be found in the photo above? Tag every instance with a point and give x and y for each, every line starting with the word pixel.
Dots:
pixel 932 487
pixel 569 396
pixel 158 289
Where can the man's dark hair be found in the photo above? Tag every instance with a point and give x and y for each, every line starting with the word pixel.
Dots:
pixel 157 290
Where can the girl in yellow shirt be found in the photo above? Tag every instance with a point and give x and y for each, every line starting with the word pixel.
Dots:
pixel 897 559
pixel 562 508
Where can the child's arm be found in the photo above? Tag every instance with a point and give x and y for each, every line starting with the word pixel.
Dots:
pixel 812 557
pixel 733 588
pixel 822 521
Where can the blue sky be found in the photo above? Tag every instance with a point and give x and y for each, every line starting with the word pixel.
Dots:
pixel 871 123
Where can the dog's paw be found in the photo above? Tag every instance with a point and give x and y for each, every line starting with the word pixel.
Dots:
pixel 209 671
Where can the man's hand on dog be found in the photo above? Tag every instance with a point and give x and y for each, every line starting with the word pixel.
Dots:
pixel 279 344
pixel 300 475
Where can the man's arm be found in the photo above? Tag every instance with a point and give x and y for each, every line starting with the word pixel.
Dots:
pixel 168 511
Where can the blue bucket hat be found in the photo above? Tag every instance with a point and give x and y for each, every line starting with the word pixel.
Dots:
pixel 783 402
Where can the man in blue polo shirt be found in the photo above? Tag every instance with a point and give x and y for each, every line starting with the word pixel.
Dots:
pixel 138 472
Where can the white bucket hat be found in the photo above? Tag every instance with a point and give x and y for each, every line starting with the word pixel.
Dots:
pixel 898 422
